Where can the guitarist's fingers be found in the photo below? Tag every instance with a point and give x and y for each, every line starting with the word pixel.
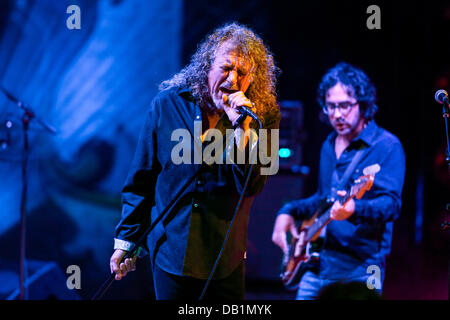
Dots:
pixel 339 212
pixel 334 210
pixel 342 193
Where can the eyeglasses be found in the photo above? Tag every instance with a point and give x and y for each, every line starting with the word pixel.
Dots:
pixel 344 107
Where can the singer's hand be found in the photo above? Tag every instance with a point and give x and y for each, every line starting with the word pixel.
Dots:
pixel 124 267
pixel 232 103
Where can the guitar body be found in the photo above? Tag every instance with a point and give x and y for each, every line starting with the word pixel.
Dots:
pixel 303 252
pixel 302 256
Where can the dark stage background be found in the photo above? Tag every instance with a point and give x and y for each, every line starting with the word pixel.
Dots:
pixel 94 84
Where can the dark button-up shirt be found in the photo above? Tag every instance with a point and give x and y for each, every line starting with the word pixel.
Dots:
pixel 365 238
pixel 188 240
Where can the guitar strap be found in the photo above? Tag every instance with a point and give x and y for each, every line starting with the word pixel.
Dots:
pixel 314 249
pixel 339 184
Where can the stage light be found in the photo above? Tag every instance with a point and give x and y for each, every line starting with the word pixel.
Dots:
pixel 284 152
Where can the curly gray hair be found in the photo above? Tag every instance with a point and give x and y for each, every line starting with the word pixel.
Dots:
pixel 195 75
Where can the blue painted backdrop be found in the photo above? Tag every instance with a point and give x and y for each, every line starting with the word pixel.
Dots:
pixel 93 85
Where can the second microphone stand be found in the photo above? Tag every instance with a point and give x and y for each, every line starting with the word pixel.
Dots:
pixel 27 117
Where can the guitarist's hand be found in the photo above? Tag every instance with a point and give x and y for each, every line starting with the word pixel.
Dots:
pixel 283 223
pixel 342 212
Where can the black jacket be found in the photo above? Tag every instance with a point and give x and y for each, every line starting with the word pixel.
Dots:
pixel 188 240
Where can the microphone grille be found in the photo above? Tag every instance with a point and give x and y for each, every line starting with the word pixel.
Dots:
pixel 439 96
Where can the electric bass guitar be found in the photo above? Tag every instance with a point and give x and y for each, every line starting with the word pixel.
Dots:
pixel 303 251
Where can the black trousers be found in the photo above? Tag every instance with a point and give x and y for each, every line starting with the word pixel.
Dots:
pixel 173 287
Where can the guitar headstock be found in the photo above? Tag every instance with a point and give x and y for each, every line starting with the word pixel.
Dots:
pixel 364 183
pixel 372 170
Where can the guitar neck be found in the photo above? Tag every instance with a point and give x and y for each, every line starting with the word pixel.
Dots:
pixel 320 222
pixel 325 218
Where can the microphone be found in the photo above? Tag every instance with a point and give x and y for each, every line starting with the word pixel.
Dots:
pixel 441 96
pixel 244 111
pixel 248 112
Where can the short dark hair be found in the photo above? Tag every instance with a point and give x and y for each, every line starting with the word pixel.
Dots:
pixel 357 81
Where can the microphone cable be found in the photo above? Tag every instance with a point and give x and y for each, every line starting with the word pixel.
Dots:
pixel 234 214
pixel 134 249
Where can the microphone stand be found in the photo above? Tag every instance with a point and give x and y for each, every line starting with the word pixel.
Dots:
pixel 27 117
pixel 244 188
pixel 133 250
pixel 446 115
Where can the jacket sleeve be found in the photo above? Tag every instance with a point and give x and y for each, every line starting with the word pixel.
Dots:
pixel 138 193
pixel 302 209
pixel 385 201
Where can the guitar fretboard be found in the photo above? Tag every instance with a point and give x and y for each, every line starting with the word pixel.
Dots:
pixel 325 218
pixel 317 225
pixel 322 220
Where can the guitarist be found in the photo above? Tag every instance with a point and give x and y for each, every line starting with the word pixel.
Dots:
pixel 358 239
